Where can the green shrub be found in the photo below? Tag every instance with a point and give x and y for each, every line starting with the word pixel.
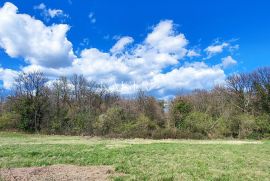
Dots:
pixel 262 127
pixel 9 120
pixel 180 109
pixel 143 127
pixel 109 122
pixel 243 125
pixel 60 122
pixel 198 123
pixel 221 128
pixel 78 122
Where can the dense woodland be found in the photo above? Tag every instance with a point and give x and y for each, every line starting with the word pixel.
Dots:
pixel 75 106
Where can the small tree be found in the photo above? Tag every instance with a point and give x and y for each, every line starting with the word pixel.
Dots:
pixel 180 108
pixel 31 99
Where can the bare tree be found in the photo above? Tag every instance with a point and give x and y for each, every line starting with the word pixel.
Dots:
pixel 261 83
pixel 240 88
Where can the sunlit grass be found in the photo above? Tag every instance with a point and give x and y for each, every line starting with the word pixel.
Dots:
pixel 142 159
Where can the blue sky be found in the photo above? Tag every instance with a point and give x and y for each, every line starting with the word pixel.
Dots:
pixel 159 46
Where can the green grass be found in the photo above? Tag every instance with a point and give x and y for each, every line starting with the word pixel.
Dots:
pixel 142 159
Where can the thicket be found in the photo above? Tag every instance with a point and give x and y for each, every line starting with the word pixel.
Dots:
pixel 75 106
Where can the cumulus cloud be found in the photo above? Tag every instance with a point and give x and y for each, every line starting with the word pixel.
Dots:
pixel 215 49
pixel 165 39
pixel 153 64
pixel 121 44
pixel 7 76
pixel 141 66
pixel 23 36
pixel 50 13
pixel 228 61
pixel 196 75
pixel 219 47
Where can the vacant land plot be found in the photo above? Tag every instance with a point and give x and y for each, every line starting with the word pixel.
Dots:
pixel 133 159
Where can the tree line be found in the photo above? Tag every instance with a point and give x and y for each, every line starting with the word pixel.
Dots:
pixel 76 106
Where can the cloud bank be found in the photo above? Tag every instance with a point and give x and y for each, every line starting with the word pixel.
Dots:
pixel 157 64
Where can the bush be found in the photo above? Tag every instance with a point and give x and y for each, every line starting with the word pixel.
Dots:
pixel 221 128
pixel 180 109
pixel 198 123
pixel 60 122
pixel 109 122
pixel 9 120
pixel 262 127
pixel 243 125
pixel 143 127
pixel 82 123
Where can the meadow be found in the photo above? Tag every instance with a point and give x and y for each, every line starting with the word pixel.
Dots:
pixel 142 159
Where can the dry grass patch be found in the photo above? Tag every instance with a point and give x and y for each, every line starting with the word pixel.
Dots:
pixel 58 172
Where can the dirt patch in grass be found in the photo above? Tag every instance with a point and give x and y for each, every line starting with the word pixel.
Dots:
pixel 57 172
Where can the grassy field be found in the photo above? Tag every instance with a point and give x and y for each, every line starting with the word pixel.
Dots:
pixel 142 159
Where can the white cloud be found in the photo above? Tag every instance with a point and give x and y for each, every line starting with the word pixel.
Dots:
pixel 121 44
pixel 55 12
pixel 23 36
pixel 228 61
pixel 215 49
pixel 7 76
pixel 41 6
pixel 141 66
pixel 152 65
pixel 92 17
pixel 165 39
pixel 50 13
pixel 219 47
pixel 197 75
